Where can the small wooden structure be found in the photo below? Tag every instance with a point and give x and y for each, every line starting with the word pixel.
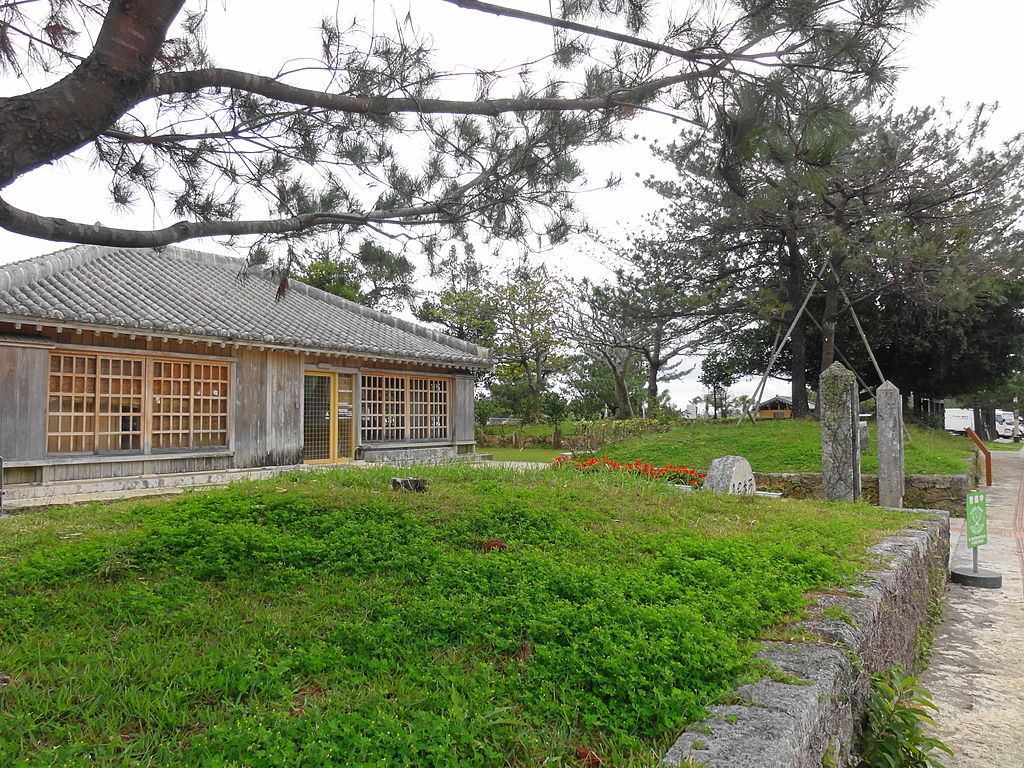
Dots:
pixel 128 362
pixel 778 407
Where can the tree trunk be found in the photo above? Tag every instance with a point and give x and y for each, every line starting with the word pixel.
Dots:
pixel 536 389
pixel 828 324
pixel 623 406
pixel 654 368
pixel 54 121
pixel 535 414
pixel 798 339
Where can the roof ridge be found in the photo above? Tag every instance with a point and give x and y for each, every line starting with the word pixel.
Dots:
pixel 396 322
pixel 19 273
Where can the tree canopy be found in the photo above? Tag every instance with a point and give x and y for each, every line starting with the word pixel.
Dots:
pixel 863 216
pixel 369 133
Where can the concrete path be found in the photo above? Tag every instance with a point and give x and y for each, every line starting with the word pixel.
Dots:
pixel 976 673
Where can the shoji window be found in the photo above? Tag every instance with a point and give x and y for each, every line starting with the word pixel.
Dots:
pixel 108 404
pixel 398 408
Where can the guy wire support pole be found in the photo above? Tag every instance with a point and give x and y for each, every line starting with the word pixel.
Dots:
pixel 778 350
pixel 860 329
pixel 845 361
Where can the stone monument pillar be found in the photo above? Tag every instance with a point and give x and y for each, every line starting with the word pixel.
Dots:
pixel 891 470
pixel 840 434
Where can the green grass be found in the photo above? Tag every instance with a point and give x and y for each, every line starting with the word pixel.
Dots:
pixel 791 445
pixel 993 446
pixel 522 454
pixel 323 619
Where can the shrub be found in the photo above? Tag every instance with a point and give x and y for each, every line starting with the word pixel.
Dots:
pixel 894 736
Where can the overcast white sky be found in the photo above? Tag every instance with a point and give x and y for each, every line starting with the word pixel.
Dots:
pixel 960 51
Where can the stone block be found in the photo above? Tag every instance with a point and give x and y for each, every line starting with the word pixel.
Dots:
pixel 730 474
pixel 414 484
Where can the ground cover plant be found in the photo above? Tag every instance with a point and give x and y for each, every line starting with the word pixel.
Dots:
pixel 503 618
pixel 542 455
pixel 786 445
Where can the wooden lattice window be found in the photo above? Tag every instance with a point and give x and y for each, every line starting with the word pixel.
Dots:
pixel 428 409
pixel 209 405
pixel 383 406
pixel 101 403
pixel 403 408
pixel 119 405
pixel 172 404
pixel 190 404
pixel 71 418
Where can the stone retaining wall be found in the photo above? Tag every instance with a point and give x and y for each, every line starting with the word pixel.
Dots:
pixel 781 725
pixel 948 492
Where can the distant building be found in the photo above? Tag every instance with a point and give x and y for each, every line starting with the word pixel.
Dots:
pixel 778 407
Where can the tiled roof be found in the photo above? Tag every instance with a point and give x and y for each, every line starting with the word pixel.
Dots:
pixel 181 291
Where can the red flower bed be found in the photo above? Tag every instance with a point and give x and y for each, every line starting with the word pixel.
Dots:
pixel 682 474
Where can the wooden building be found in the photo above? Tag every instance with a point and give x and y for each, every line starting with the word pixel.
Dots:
pixel 128 362
pixel 778 407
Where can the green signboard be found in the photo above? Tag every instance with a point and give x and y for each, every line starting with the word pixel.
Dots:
pixel 977 519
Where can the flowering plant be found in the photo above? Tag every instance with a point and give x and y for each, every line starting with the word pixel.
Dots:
pixel 681 474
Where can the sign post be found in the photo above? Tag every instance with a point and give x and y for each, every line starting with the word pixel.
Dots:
pixel 977 536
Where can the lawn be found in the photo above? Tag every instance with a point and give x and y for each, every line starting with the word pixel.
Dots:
pixel 790 445
pixel 522 454
pixel 1008 446
pixel 503 618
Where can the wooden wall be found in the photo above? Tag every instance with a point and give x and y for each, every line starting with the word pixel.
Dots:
pixel 463 424
pixel 268 408
pixel 23 377
pixel 266 422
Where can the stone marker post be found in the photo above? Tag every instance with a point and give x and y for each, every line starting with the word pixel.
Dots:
pixel 891 471
pixel 840 434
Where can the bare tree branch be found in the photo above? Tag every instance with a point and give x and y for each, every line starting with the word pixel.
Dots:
pixel 54 228
pixel 170 83
pixel 587 29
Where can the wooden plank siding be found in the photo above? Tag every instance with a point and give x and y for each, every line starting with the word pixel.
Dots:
pixel 284 408
pixel 148 465
pixel 249 440
pixel 268 408
pixel 464 427
pixel 23 377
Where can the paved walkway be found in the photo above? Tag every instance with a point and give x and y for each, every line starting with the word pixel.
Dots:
pixel 976 673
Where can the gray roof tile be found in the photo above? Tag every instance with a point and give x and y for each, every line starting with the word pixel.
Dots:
pixel 182 291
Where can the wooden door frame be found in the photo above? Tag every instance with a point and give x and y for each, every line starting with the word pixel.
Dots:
pixel 331 376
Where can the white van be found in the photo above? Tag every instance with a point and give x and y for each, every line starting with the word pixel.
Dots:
pixel 959 419
pixel 1004 424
